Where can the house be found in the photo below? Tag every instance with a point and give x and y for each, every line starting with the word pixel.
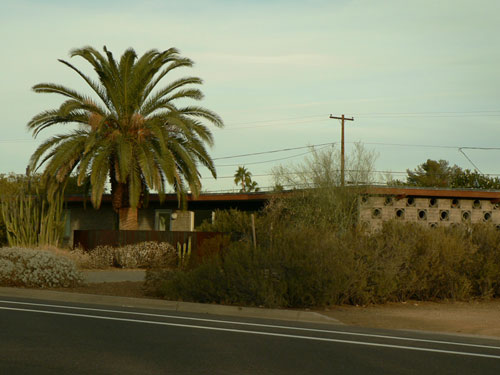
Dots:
pixel 429 206
pixel 156 215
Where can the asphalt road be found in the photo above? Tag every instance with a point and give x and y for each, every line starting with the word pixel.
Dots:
pixel 38 337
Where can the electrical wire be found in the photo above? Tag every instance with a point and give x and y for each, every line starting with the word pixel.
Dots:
pixel 269 161
pixel 273 151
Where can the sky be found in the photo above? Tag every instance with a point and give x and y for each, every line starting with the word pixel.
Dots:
pixel 421 78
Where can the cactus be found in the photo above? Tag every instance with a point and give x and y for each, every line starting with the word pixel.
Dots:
pixel 184 253
pixel 33 218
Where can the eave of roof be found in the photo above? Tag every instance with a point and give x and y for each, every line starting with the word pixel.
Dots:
pixel 211 197
pixel 434 192
pixel 371 190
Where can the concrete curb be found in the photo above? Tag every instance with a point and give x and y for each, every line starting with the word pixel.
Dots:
pixel 189 307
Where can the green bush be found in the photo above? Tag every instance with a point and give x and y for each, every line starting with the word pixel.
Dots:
pixel 306 268
pixel 486 262
pixel 312 252
pixel 36 268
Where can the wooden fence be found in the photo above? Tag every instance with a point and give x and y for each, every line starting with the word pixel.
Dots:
pixel 89 239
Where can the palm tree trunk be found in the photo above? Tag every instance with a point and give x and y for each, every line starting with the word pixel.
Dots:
pixel 127 216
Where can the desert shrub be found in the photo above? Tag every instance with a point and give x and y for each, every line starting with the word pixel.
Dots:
pixel 309 268
pixel 240 277
pixel 3 232
pixel 140 255
pixel 211 247
pixel 486 261
pixel 312 252
pixel 410 261
pixel 36 268
pixel 237 223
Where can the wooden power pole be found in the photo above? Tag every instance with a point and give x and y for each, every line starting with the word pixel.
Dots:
pixel 342 159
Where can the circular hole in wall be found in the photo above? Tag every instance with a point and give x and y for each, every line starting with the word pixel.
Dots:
pixel 422 215
pixel 410 202
pixel 433 225
pixel 444 215
pixel 376 213
pixel 388 201
pixel 487 216
pixel 364 199
pixel 400 213
pixel 465 215
pixel 455 203
pixel 476 203
pixel 433 202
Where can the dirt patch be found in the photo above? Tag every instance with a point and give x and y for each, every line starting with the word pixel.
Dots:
pixel 477 318
pixel 120 289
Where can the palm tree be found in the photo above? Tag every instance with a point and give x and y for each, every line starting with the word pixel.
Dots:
pixel 134 134
pixel 244 177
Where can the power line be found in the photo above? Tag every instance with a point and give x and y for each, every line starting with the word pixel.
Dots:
pixel 273 151
pixel 270 161
pixel 347 170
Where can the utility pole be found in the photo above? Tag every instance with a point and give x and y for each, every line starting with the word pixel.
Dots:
pixel 342 160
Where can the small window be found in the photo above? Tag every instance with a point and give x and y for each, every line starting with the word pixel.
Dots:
pixel 162 219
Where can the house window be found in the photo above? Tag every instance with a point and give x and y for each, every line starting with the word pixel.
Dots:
pixel 162 219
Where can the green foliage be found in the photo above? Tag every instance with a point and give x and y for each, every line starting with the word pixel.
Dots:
pixel 434 173
pixel 311 252
pixel 32 215
pixel 131 132
pixel 310 269
pixel 473 180
pixel 244 177
pixel 36 268
pixel 236 222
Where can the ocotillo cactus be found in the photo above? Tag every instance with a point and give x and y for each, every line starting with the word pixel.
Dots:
pixel 184 253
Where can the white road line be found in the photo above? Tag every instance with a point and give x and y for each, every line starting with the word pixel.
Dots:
pixel 255 332
pixel 255 324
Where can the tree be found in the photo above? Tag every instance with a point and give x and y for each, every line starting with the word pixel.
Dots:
pixel 244 177
pixel 134 135
pixel 434 173
pixel 317 198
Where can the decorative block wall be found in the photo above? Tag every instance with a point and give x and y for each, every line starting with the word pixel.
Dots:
pixel 374 210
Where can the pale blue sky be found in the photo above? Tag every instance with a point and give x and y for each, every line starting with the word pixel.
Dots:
pixel 275 70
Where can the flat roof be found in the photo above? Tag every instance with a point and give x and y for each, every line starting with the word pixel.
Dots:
pixel 401 191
